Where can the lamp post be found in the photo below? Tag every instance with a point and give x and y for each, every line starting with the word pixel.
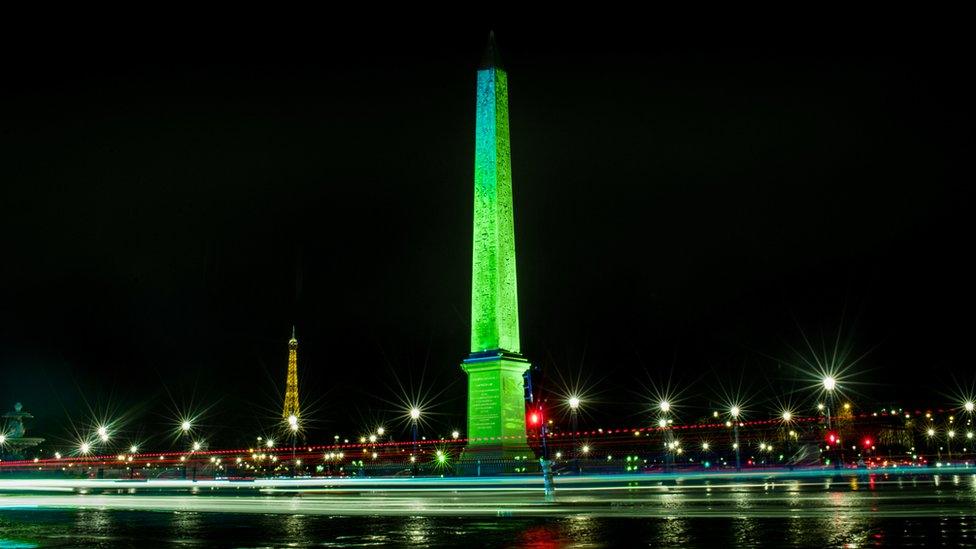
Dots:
pixel 734 412
pixel 787 419
pixel 414 419
pixel 293 427
pixel 664 406
pixel 950 434
pixel 574 404
pixel 829 385
pixel 185 427
pixel 195 448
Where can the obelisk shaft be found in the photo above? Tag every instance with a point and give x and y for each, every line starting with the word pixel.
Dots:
pixel 494 296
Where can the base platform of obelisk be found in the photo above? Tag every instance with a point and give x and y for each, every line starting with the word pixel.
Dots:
pixel 496 408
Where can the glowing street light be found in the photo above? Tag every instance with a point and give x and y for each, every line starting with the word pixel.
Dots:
pixel 829 383
pixel 381 431
pixel 787 418
pixel 734 411
pixel 455 435
pixel 133 449
pixel 269 443
pixel 414 419
pixel 3 439
pixel 84 448
pixel 968 406
pixel 930 432
pixel 103 433
pixel 705 446
pixel 185 425
pixel 196 446
pixel 574 404
pixel 293 421
pixel 665 407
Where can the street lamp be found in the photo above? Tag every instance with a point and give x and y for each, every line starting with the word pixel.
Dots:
pixel 574 404
pixel 968 406
pixel 734 411
pixel 103 433
pixel 829 385
pixel 664 406
pixel 293 427
pixel 185 425
pixel 787 418
pixel 414 419
pixel 930 432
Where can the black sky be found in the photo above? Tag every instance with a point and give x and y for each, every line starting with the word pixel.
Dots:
pixel 687 206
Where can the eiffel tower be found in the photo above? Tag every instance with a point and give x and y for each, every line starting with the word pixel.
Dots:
pixel 291 387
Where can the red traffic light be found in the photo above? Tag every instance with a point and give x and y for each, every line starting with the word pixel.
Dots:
pixel 868 442
pixel 535 417
pixel 832 438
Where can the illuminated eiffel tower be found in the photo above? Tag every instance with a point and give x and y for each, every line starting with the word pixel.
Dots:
pixel 291 388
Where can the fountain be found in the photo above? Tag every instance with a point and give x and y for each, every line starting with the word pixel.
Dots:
pixel 13 443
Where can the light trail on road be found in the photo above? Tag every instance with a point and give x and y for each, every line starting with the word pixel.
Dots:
pixel 851 493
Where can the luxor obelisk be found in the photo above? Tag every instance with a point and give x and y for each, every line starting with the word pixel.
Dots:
pixel 496 396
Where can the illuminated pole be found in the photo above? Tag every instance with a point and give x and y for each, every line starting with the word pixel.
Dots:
pixel 665 407
pixel 830 383
pixel 950 434
pixel 293 426
pixel 195 448
pixel 574 404
pixel 184 432
pixel 787 418
pixel 414 418
pixel 734 412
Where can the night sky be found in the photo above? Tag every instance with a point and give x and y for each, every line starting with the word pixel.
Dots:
pixel 688 206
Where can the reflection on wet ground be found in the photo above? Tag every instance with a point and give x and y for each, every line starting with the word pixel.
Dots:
pixel 861 511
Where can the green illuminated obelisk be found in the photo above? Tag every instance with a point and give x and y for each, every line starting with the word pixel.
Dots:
pixel 496 397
